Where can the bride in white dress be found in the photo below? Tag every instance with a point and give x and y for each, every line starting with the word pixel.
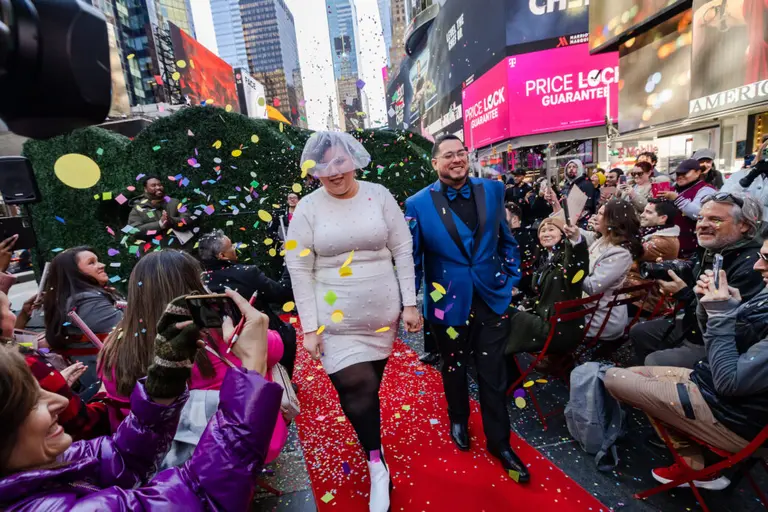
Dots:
pixel 341 244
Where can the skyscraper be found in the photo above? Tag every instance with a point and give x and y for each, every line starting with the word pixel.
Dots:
pixel 228 26
pixel 371 61
pixel 385 12
pixel 399 23
pixel 178 12
pixel 273 54
pixel 341 28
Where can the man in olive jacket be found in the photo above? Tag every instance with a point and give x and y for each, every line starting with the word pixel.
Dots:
pixel 153 211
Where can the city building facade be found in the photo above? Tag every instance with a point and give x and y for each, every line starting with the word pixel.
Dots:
pixel 228 26
pixel 398 23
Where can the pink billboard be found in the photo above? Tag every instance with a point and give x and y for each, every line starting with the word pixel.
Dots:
pixel 548 91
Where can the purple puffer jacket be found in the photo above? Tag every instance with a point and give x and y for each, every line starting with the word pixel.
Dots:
pixel 111 473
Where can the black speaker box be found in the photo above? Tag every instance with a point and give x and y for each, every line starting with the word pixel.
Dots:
pixel 17 181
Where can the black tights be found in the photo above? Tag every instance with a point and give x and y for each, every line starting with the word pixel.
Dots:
pixel 358 388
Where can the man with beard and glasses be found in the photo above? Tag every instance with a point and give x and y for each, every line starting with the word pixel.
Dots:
pixel 576 176
pixel 154 212
pixel 728 225
pixel 469 261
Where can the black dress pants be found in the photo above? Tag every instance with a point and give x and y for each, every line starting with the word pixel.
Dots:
pixel 485 338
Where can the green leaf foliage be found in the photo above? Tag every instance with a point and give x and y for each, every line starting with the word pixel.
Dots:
pixel 183 147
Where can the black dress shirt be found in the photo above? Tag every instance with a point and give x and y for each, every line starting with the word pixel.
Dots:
pixel 464 208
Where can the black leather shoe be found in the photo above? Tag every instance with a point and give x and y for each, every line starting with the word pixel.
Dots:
pixel 430 358
pixel 511 462
pixel 460 436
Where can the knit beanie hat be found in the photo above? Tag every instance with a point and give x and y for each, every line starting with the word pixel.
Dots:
pixel 175 351
pixel 556 221
pixel 600 178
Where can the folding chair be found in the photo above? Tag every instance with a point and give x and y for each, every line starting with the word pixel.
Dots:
pixel 748 454
pixel 565 311
pixel 621 297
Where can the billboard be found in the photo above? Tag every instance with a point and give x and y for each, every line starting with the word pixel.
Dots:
pixel 529 21
pixel 656 76
pixel 612 22
pixel 729 63
pixel 204 77
pixel 460 43
pixel 552 90
pixel 250 93
pixel 120 103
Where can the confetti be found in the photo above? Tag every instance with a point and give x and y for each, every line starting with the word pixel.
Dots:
pixel 520 402
pixel 112 252
pixel 216 144
pixel 106 196
pixel 289 306
pixel 265 216
pixel 439 288
pixel 130 56
pixel 255 138
pixel 305 252
pixel 268 241
pixel 306 167
pixel 528 384
pixel 541 381
pixel 228 108
pixel 236 153
pixel 176 75
pixel 406 407
pixel 439 314
pixel 330 297
pixel 60 219
pixel 296 188
pixel 337 316
pixel 383 329
pixel 436 296
pixel 345 271
pixel 272 252
pixel 121 199
pixel 327 497
pixel 291 245
pixel 578 277
pixel 321 329
pixel 349 259
pixel 181 64
pixel 452 333
pixel 514 475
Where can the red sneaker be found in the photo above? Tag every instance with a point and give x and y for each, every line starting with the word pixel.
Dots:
pixel 675 471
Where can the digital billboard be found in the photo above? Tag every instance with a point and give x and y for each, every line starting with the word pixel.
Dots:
pixel 529 21
pixel 204 77
pixel 612 22
pixel 250 93
pixel 552 90
pixel 729 64
pixel 656 76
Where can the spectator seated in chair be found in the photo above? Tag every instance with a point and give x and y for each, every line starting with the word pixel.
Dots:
pixel 42 469
pixel 222 270
pixel 659 237
pixel 563 264
pixel 526 242
pixel 723 401
pixel 77 281
pixel 727 225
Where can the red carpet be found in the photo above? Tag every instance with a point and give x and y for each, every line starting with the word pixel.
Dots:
pixel 428 472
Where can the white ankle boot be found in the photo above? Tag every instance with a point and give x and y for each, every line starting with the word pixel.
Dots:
pixel 380 483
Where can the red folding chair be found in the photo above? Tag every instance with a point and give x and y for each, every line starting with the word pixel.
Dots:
pixel 621 297
pixel 748 454
pixel 565 311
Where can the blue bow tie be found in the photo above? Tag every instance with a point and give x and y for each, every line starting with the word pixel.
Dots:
pixel 464 191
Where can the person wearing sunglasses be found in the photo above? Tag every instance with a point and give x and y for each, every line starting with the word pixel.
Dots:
pixel 757 187
pixel 728 225
pixel 723 399
pixel 640 191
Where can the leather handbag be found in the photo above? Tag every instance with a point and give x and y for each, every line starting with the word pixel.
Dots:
pixel 290 403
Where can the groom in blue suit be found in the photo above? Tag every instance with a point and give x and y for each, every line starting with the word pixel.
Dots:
pixel 469 262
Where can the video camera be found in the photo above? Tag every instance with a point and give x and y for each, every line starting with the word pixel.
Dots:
pixel 54 66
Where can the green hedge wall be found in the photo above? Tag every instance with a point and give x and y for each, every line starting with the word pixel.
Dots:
pixel 270 166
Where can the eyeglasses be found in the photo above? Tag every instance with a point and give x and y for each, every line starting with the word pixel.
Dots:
pixel 724 197
pixel 762 256
pixel 636 174
pixel 450 156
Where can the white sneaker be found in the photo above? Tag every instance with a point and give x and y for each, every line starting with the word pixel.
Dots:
pixel 717 484
pixel 380 483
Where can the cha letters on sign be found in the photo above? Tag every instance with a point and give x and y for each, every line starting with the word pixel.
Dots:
pixel 570 88
pixel 541 7
pixel 486 109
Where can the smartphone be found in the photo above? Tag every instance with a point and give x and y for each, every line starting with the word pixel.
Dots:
pixel 623 179
pixel 208 311
pixel 659 188
pixel 21 226
pixel 716 267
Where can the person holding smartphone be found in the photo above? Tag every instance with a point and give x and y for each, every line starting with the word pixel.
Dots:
pixel 758 187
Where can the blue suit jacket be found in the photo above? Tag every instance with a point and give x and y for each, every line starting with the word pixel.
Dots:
pixel 449 256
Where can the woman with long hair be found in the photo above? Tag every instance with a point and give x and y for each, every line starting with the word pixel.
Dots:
pixel 348 294
pixel 42 469
pixel 77 281
pixel 613 246
pixel 128 351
